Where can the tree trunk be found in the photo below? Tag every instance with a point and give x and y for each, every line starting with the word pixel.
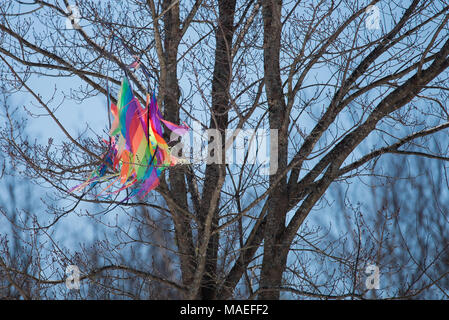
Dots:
pixel 219 120
pixel 273 265
pixel 178 190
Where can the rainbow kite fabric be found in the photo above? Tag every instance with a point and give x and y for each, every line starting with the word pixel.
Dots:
pixel 137 152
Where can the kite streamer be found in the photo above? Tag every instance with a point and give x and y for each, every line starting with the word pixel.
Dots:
pixel 137 152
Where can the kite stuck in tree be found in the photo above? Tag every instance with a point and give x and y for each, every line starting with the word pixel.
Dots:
pixel 137 152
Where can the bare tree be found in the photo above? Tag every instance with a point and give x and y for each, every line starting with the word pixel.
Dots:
pixel 342 95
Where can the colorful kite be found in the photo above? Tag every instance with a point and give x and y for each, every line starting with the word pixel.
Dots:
pixel 137 152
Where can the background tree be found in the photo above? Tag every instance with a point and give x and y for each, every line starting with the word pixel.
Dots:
pixel 345 100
